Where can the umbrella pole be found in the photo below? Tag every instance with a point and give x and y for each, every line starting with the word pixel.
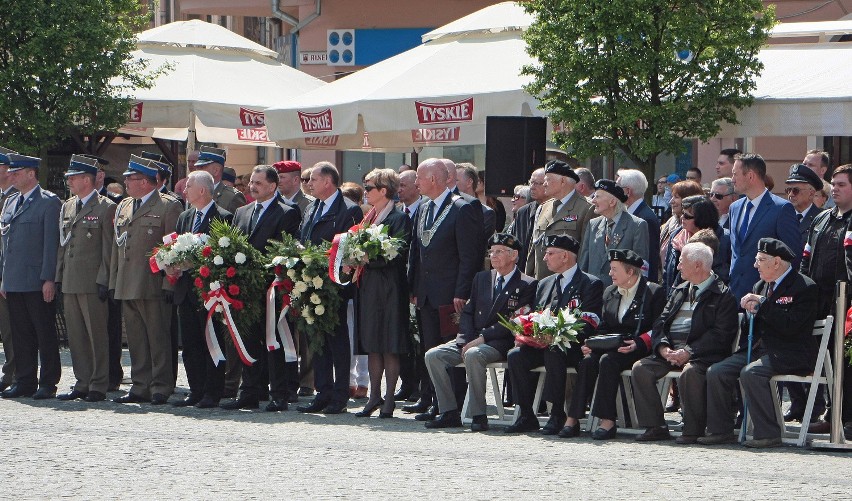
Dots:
pixel 190 133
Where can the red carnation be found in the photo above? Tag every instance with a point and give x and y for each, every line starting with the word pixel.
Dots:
pixel 206 251
pixel 237 305
pixel 278 270
pixel 204 271
pixel 234 290
pixel 231 272
pixel 198 282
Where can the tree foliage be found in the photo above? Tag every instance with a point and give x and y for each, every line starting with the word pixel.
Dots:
pixel 610 71
pixel 66 65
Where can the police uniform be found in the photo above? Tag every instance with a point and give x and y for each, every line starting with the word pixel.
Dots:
pixel 226 197
pixel 145 313
pixel 8 377
pixel 82 266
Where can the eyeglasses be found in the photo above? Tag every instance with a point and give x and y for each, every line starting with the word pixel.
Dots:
pixel 687 216
pixel 369 188
pixel 515 198
pixel 795 190
pixel 536 183
pixel 305 179
pixel 497 252
pixel 759 259
pixel 720 196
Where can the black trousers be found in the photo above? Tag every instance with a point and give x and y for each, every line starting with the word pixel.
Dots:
pixel 34 336
pixel 332 365
pixel 603 369
pixel 430 337
pixel 270 375
pixel 203 376
pixel 174 329
pixel 116 372
pixel 556 362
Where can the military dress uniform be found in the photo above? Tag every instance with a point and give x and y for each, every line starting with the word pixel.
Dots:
pixel 146 314
pixel 82 266
pixel 8 377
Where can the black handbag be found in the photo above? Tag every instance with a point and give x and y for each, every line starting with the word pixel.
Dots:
pixel 610 342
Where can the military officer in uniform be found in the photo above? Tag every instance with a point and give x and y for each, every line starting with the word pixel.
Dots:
pixel 141 221
pixel 290 183
pixel 565 213
pixel 6 191
pixel 83 265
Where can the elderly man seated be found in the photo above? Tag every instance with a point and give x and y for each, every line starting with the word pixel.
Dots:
pixel 481 339
pixel 784 305
pixel 695 330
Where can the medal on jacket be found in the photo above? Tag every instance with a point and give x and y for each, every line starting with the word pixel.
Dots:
pixel 426 235
pixel 120 239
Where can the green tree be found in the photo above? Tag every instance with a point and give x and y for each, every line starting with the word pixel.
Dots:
pixel 636 77
pixel 66 66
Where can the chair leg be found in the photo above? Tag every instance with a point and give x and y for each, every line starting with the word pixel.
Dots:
pixel 779 414
pixel 631 404
pixel 498 395
pixel 665 385
pixel 539 389
pixel 619 409
pixel 809 410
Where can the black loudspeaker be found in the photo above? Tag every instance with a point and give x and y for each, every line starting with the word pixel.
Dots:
pixel 514 147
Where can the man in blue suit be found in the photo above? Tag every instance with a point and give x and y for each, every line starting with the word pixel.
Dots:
pixel 758 214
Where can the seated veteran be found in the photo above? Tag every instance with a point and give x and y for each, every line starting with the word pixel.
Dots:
pixel 630 306
pixel 567 287
pixel 481 339
pixel 784 305
pixel 696 329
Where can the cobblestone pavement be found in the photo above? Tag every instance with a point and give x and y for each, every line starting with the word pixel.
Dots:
pixel 54 449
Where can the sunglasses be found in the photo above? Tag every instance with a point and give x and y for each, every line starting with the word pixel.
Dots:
pixel 687 216
pixel 516 197
pixel 305 179
pixel 795 190
pixel 720 196
pixel 368 188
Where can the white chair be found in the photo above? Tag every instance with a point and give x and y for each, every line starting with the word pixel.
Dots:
pixel 496 392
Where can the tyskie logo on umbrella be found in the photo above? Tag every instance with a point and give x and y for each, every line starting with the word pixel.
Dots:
pixel 321 141
pixel 316 122
pixel 444 113
pixel 135 113
pixel 252 118
pixel 439 135
pixel 257 135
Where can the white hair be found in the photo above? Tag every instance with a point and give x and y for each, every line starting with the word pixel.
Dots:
pixel 633 179
pixel 727 182
pixel 203 179
pixel 700 253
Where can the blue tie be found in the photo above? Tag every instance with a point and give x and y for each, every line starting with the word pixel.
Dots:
pixel 498 288
pixel 744 225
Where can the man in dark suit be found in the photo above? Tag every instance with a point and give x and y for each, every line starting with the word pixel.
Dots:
pixel 784 305
pixel 695 330
pixel 634 184
pixel 488 220
pixel 722 195
pixel 569 287
pixel 6 191
pixel 441 265
pixel 802 183
pixel 206 379
pixel 522 226
pixel 481 339
pixel 331 213
pixel 264 219
pixel 759 214
pixel 29 225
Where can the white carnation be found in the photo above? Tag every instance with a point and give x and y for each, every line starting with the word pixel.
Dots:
pixel 215 285
pixel 315 299
pixel 218 261
pixel 291 274
pixel 240 258
pixel 300 287
pixel 317 282
pixel 306 259
pixel 306 311
pixel 224 242
pixel 309 320
pixel 319 310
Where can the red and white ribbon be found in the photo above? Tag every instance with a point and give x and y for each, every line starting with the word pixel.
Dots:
pixel 170 238
pixel 220 298
pixel 847 240
pixel 807 251
pixel 335 257
pixel 283 327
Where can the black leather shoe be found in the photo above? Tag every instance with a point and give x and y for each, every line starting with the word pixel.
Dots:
pixel 4 385
pixel 293 398
pixel 554 425
pixel 430 414
pixel 243 402
pixel 793 416
pixel 402 393
pixel 95 396
pixel 16 391
pixel 418 407
pixel 130 398
pixel 334 408
pixel 570 431
pixel 44 393
pixel 313 407
pixel 304 391
pixel 480 423
pixel 114 387
pixel 451 419
pixel 369 409
pixel 523 424
pixel 604 434
pixel 654 434
pixel 207 403
pixel 415 396
pixel 190 400
pixel 71 395
pixel 159 399
pixel 276 405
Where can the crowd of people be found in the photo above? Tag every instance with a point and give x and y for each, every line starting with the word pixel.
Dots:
pixel 666 281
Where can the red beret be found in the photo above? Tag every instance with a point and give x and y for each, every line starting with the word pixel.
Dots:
pixel 285 166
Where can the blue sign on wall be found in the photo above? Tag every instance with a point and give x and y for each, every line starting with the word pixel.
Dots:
pixel 374 45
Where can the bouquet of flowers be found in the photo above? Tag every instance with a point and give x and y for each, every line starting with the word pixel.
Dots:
pixel 362 244
pixel 313 298
pixel 230 279
pixel 543 328
pixel 177 253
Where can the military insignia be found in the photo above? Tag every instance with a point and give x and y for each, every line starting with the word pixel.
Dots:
pixel 150 231
pixel 570 218
pixel 152 215
pixel 89 234
pixel 573 304
pixel 784 300
pixel 91 218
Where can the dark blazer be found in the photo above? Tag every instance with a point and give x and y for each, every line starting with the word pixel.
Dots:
pixel 805 223
pixel 784 323
pixel 654 300
pixel 184 225
pixel 480 313
pixel 487 222
pixel 775 218
pixel 278 218
pixel 647 214
pixel 722 256
pixel 445 268
pixel 342 215
pixel 30 241
pixel 522 228
pixel 714 323
pixel 586 289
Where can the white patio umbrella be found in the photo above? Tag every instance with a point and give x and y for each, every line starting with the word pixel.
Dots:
pixel 437 93
pixel 217 85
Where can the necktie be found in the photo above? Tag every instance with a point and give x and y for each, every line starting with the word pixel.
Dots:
pixel 499 287
pixel 557 299
pixel 744 224
pixel 136 204
pixel 197 224
pixel 255 215
pixel 315 218
pixel 800 216
pixel 610 224
pixel 770 288
pixel 407 211
pixel 556 204
pixel 79 205
pixel 693 291
pixel 430 216
pixel 20 203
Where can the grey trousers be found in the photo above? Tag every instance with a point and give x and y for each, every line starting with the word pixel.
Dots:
pixel 649 406
pixel 445 356
pixel 722 380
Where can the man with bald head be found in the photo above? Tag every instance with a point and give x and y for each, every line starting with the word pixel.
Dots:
pixel 442 263
pixel 409 195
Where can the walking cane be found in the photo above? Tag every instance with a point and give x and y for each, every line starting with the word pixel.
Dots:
pixel 744 426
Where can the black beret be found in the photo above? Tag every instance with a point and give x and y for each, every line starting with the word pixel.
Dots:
pixel 611 188
pixel 504 239
pixel 626 256
pixel 776 248
pixel 565 242
pixel 561 168
pixel 800 173
pixel 229 174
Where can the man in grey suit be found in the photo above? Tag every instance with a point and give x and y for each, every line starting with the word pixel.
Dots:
pixel 29 226
pixel 634 184
pixel 6 191
pixel 290 183
pixel 614 228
